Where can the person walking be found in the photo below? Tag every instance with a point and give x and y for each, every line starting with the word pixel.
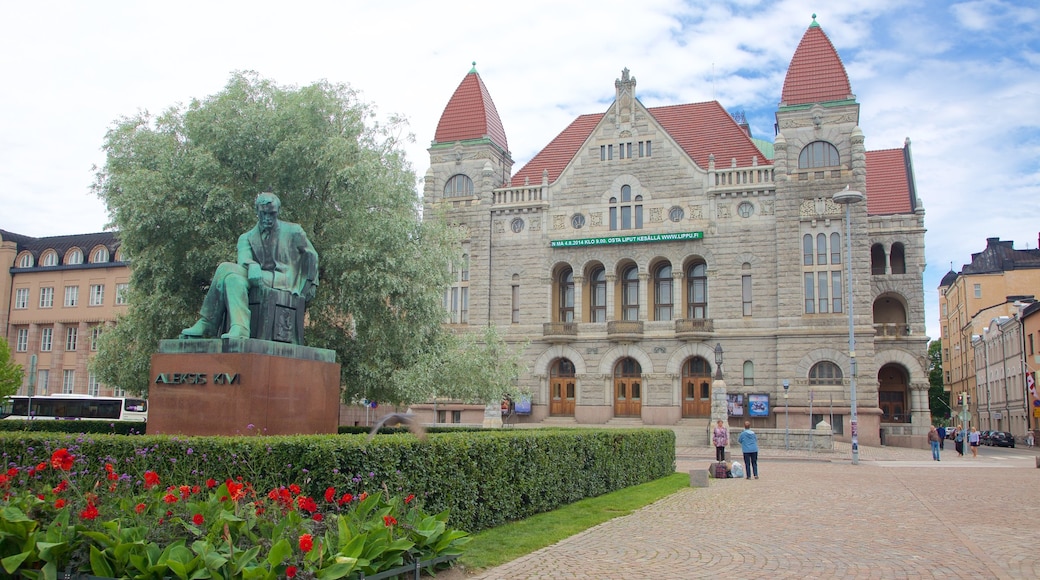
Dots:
pixel 973 441
pixel 958 440
pixel 942 436
pixel 1029 438
pixel 933 440
pixel 749 447
pixel 720 437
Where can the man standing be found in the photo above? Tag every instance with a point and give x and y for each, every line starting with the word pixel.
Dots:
pixel 933 440
pixel 749 446
pixel 274 254
pixel 942 436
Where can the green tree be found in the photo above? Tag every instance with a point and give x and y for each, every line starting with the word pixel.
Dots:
pixel 938 398
pixel 10 373
pixel 180 188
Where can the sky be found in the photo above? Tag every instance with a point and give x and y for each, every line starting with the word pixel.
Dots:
pixel 960 79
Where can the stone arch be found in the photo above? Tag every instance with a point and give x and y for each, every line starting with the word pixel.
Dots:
pixel 814 356
pixel 686 351
pixel 558 351
pixel 612 356
pixel 914 366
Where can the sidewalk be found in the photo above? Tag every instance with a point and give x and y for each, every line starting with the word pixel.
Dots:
pixel 898 514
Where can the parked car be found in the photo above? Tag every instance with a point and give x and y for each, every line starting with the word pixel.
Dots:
pixel 1001 439
pixel 984 437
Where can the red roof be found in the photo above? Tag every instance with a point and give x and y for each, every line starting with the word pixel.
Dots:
pixel 888 183
pixel 700 129
pixel 471 114
pixel 816 74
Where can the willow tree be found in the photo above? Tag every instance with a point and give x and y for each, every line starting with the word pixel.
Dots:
pixel 180 188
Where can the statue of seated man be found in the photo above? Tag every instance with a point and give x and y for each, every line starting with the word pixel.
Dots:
pixel 275 254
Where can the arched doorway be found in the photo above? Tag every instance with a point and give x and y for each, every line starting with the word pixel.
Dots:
pixel 561 388
pixel 696 387
pixel 893 384
pixel 628 388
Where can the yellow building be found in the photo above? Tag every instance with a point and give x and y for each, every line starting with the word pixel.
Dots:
pixel 61 293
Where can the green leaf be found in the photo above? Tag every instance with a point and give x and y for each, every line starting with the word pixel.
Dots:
pixel 281 550
pixel 99 564
pixel 11 563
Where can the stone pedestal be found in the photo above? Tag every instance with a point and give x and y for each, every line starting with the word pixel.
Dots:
pixel 719 407
pixel 242 387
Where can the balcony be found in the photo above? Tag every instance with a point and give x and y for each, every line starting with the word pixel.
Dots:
pixel 624 330
pixel 560 331
pixel 694 329
pixel 891 330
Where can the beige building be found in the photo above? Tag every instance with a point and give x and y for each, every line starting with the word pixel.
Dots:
pixel 641 238
pixel 61 293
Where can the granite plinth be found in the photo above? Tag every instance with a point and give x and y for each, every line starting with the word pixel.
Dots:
pixel 245 345
pixel 217 392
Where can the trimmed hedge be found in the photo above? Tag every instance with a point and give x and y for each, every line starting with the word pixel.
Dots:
pixel 484 478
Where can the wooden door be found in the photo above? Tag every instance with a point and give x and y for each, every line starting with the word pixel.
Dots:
pixel 561 396
pixel 628 397
pixel 696 388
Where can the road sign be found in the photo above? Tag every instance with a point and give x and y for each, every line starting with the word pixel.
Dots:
pixel 966 416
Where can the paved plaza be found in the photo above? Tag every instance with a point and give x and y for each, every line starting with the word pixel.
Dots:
pixel 898 514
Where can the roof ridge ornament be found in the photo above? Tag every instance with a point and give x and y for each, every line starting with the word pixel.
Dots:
pixel 474 69
pixel 813 25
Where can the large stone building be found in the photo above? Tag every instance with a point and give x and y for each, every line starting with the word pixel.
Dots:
pixel 60 294
pixel 640 238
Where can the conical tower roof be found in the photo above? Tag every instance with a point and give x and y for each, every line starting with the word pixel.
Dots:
pixel 471 115
pixel 816 74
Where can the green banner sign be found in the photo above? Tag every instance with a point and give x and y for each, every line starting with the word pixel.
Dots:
pixel 642 238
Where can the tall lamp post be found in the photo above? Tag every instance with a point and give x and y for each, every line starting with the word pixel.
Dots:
pixel 847 197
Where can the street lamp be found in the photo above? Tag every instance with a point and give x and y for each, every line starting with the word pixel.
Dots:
pixel 718 360
pixel 787 420
pixel 847 197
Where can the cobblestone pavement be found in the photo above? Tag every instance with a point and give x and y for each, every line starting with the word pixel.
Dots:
pixel 898 514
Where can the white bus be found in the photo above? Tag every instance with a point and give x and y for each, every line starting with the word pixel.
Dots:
pixel 75 407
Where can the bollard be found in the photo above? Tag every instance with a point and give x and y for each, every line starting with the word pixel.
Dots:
pixel 698 478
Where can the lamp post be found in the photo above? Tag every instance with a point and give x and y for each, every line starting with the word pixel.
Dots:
pixel 787 419
pixel 847 197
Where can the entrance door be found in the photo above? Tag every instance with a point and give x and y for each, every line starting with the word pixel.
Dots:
pixel 696 388
pixel 561 388
pixel 628 389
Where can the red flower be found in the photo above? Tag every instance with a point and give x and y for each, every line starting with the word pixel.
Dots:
pixel 42 466
pixel 330 494
pixel 139 508
pixel 235 489
pixel 185 491
pixel 347 498
pixel 62 459
pixel 151 479
pixel 290 572
pixel 195 489
pixel 294 488
pixel 317 517
pixel 211 483
pixel 112 476
pixel 59 503
pixel 307 504
pixel 109 468
pixel 62 486
pixel 169 498
pixel 306 543
pixel 4 480
pixel 89 513
pixel 389 521
pixel 409 499
pixel 363 495
pixel 197 519
pixel 12 472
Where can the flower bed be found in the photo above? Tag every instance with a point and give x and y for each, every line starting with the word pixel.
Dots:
pixel 114 522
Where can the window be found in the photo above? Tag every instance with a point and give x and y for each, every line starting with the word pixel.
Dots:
pixel 644 149
pixel 516 299
pixel 630 294
pixel 465 267
pixel 517 225
pixel 458 186
pixel 749 373
pixel 821 249
pixel 697 291
pixel 877 259
pixel 26 261
pixel 807 250
pixel 93 386
pixel 565 297
pixel 75 256
pixel 663 301
pixel 836 289
pixel 46 297
pixel 825 373
pixel 898 259
pixel 71 337
pixel 50 258
pixel 97 294
pixel 835 248
pixel 978 290
pixel 598 296
pixel 577 221
pixel 95 335
pixel 818 154
pixel 43 377
pixel 21 298
pixel 628 213
pixel 746 209
pixel 810 293
pixel 456 299
pixel 121 290
pixel 46 339
pixel 100 255
pixel 822 286
pixel 676 214
pixel 745 291
pixel 21 343
pixel 68 381
pixel 71 296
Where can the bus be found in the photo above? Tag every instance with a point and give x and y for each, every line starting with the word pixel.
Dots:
pixel 75 407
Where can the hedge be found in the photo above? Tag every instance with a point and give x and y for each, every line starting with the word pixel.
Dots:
pixel 484 478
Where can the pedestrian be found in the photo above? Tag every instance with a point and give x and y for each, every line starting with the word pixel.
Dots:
pixel 973 441
pixel 749 446
pixel 1029 438
pixel 720 437
pixel 942 436
pixel 958 440
pixel 933 440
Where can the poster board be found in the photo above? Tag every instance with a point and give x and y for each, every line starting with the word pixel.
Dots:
pixel 735 404
pixel 758 405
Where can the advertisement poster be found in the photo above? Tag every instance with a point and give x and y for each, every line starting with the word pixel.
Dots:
pixel 735 404
pixel 758 405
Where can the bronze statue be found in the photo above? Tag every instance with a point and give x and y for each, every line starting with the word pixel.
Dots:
pixel 276 264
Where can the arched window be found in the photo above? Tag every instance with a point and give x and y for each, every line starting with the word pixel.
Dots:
pixel 100 255
pixel 818 154
pixel 877 259
pixel 825 373
pixel 898 259
pixel 663 292
pixel 566 295
pixel 835 248
pixel 807 250
pixel 458 185
pixel 598 296
pixel 26 261
pixel 630 294
pixel 697 291
pixel 50 258
pixel 821 249
pixel 628 213
pixel 749 373
pixel 75 256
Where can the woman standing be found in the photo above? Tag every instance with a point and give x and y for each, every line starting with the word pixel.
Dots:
pixel 720 437
pixel 973 441
pixel 933 440
pixel 749 446
pixel 958 440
